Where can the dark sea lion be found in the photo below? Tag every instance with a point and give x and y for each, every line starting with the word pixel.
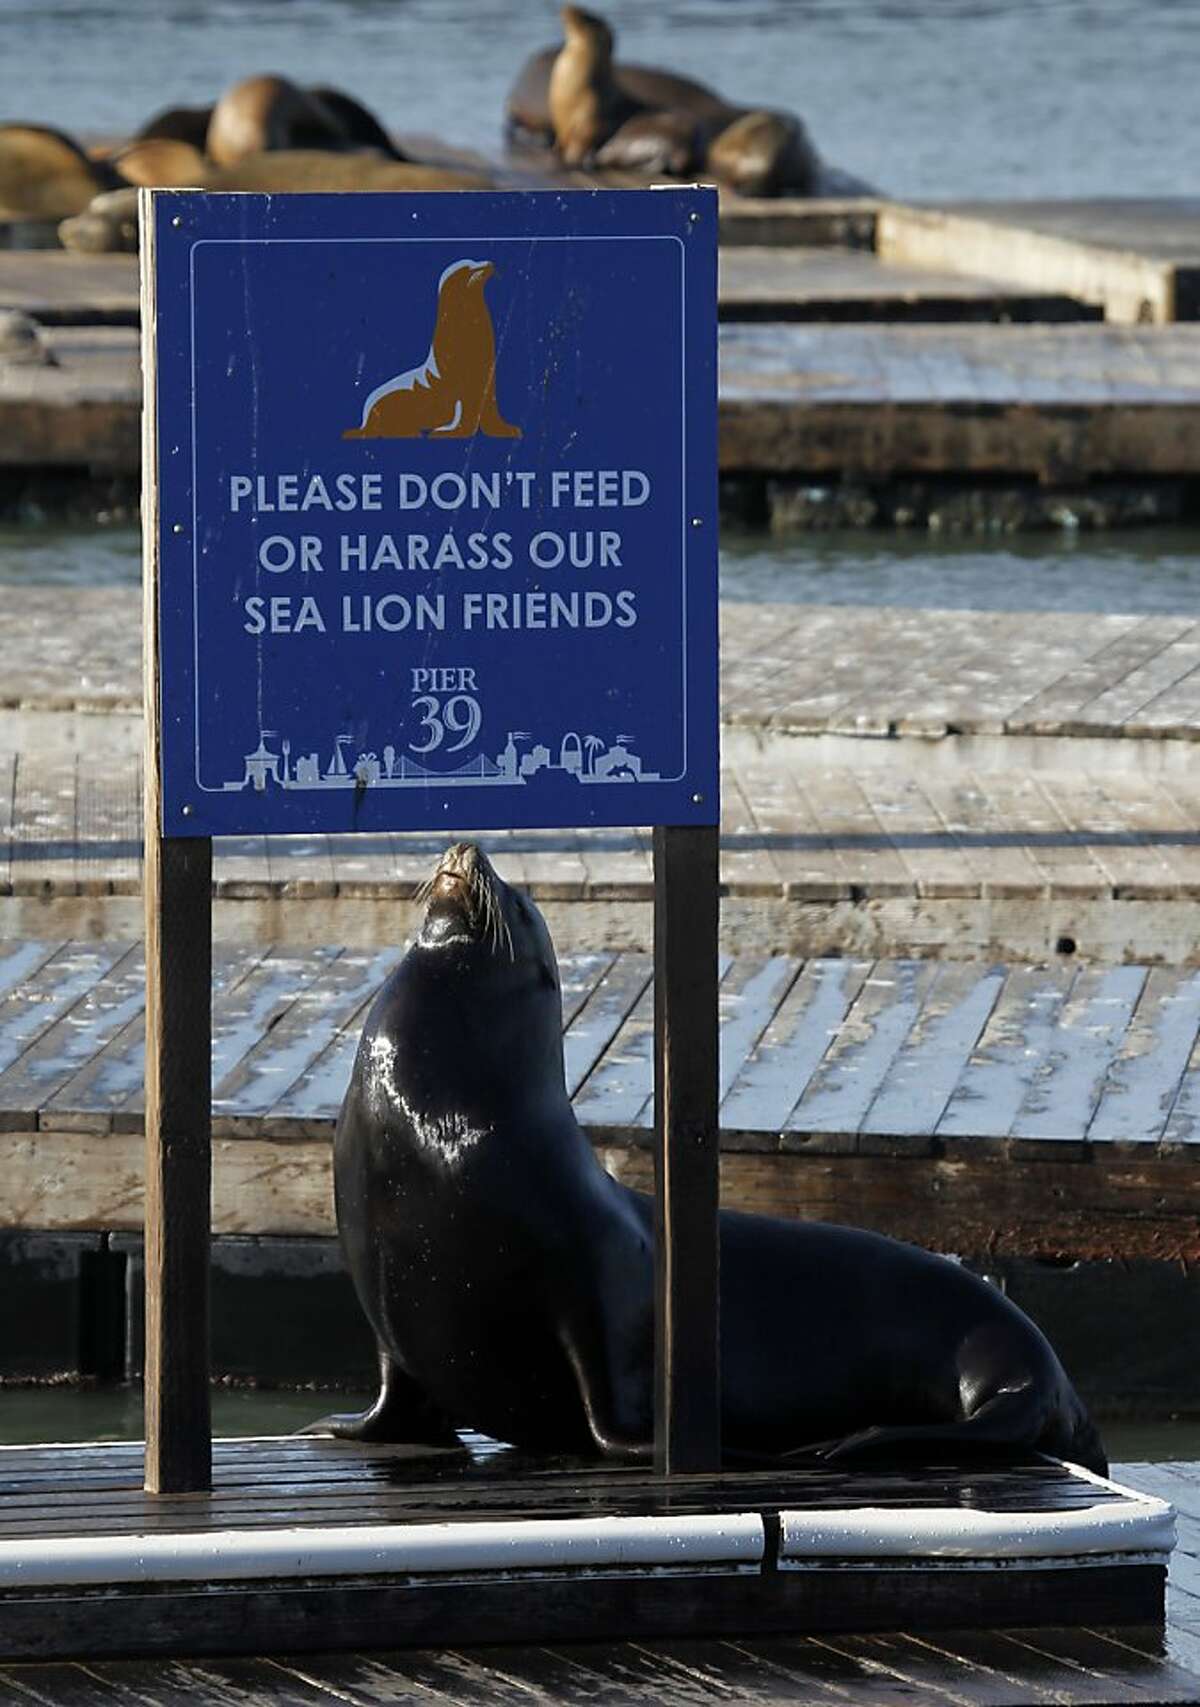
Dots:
pixel 764 154
pixel 509 1279
pixel 177 124
pixel 452 394
pixel 654 143
pixel 527 109
pixel 359 126
pixel 268 112
pixel 44 175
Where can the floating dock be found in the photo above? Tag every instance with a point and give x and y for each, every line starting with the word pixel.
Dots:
pixel 314 1544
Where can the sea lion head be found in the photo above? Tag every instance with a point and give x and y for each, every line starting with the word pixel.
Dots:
pixel 586 29
pixel 492 942
pixel 466 275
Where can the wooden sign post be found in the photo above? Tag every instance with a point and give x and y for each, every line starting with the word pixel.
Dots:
pixel 479 590
pixel 687 1385
pixel 177 891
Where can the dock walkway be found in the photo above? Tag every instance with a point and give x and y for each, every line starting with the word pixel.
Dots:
pixel 990 1110
pixel 1061 403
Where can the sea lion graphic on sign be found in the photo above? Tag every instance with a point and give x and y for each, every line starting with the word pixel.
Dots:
pixel 452 395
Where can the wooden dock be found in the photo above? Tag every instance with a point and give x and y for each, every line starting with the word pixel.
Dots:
pixel 755 283
pixel 310 1544
pixel 994 1111
pixel 1137 259
pixel 1062 403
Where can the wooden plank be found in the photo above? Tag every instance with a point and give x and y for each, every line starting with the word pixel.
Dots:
pixel 1065 1088
pixel 43 846
pixel 773 1078
pixel 931 854
pixel 56 984
pixel 749 997
pixel 118 996
pixel 854 1066
pixel 1067 864
pixel 607 1048
pixel 866 858
pixel 687 1380
pixel 989 1095
pixel 929 1063
pixel 1144 1077
pixel 112 1081
pixel 988 839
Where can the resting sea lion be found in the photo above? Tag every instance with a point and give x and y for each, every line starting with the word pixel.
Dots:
pixel 177 124
pixel 21 341
pixel 452 395
pixel 764 154
pixel 44 175
pixel 509 1279
pixel 652 143
pixel 264 113
pixel 107 226
pixel 162 163
pixel 109 222
pixel 527 110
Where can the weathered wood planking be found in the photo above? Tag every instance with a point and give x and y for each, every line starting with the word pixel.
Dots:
pixel 1137 258
pixel 776 283
pixel 1065 402
pixel 865 1053
pixel 812 669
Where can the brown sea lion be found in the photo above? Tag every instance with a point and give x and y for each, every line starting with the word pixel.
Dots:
pixel 452 395
pixel 527 110
pixel 177 124
pixel 263 113
pixel 45 175
pixel 162 163
pixel 586 102
pixel 764 154
pixel 313 169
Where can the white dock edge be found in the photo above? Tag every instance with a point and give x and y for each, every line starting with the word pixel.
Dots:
pixel 735 1542
pixel 1140 1525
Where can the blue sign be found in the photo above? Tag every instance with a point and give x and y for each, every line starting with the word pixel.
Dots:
pixel 437 499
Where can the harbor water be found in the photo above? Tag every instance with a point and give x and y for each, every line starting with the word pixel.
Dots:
pixel 923 98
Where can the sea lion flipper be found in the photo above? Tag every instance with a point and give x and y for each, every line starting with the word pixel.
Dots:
pixel 402 1413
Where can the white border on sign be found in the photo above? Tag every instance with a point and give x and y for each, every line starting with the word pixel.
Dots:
pixel 243 242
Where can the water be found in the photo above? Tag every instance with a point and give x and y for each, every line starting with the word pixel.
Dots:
pixel 1155 571
pixel 936 98
pixel 30 1414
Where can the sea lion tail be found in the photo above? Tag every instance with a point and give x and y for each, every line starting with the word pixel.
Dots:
pixel 354 433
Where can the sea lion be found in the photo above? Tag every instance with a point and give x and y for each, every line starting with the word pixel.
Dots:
pixel 586 102
pixel 764 154
pixel 163 163
pixel 44 175
pixel 527 109
pixel 177 124
pixel 654 143
pixel 509 1279
pixel 109 224
pixel 452 395
pixel 267 112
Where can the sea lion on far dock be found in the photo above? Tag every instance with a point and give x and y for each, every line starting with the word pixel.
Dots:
pixel 587 104
pixel 44 175
pixel 509 1279
pixel 764 154
pixel 527 109
pixel 268 112
pixel 163 163
pixel 177 124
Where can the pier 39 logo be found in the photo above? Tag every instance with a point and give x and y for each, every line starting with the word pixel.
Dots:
pixel 452 394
